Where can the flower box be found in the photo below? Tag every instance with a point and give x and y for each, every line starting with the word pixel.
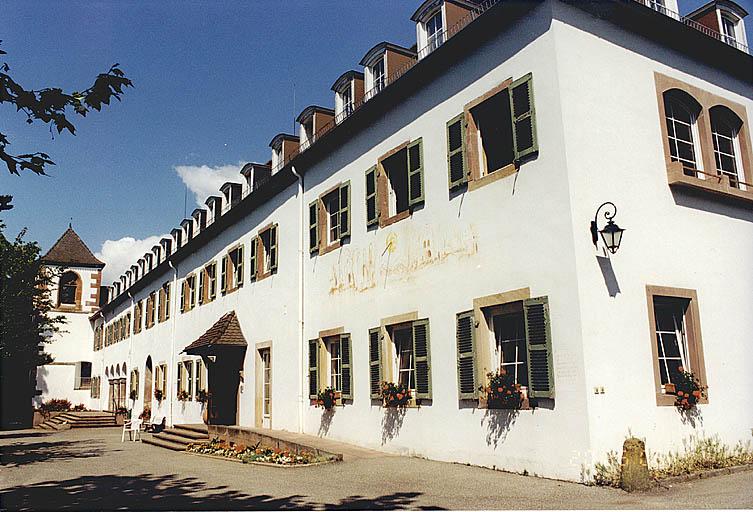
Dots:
pixel 396 395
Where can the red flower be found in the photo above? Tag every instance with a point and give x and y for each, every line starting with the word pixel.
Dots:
pixel 499 390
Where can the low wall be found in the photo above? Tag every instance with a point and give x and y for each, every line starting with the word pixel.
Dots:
pixel 249 437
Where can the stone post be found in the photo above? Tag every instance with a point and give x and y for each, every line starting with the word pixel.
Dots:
pixel 634 468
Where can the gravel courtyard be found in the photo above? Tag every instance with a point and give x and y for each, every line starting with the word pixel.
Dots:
pixel 91 469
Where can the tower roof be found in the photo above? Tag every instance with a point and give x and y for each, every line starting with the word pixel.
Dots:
pixel 71 250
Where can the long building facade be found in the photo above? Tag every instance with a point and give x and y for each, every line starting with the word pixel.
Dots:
pixel 435 227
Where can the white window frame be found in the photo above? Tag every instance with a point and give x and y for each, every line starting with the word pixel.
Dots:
pixel 669 106
pixel 406 335
pixel 736 157
pixel 266 360
pixel 437 38
pixel 680 332
pixel 334 368
pixel 379 80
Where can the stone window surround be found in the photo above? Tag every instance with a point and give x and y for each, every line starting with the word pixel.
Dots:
pixel 718 185
pixel 475 177
pixel 694 339
pixel 322 221
pixel 323 376
pixel 387 348
pixel 382 190
pixel 260 253
pixel 230 270
pixel 77 306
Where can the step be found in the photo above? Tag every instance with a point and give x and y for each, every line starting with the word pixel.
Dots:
pixel 168 436
pixel 92 425
pixel 184 432
pixel 163 443
pixel 198 428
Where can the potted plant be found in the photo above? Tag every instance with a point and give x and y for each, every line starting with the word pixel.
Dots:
pixel 183 395
pixel 688 390
pixel 327 398
pixel 158 394
pixel 502 392
pixel 395 395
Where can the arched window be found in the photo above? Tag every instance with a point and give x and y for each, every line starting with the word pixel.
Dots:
pixel 725 127
pixel 682 130
pixel 69 288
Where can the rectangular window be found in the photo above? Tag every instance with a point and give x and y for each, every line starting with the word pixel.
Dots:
pixel 234 272
pixel 401 179
pixel 335 368
pixel 150 309
pixel 267 247
pixel 314 226
pixel 406 370
pixel 208 283
pixel 507 325
pixel 493 122
pixel 266 382
pixel 378 76
pixel 346 96
pixel 329 365
pixel 676 333
pixel 188 371
pixel 396 170
pixel 434 32
pixel 336 204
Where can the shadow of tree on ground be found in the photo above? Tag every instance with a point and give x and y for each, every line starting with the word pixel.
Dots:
pixel 19 435
pixel 172 492
pixel 21 454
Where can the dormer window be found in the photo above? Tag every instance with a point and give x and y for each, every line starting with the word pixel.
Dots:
pixel 378 76
pixel 434 32
pixel 348 94
pixel 729 29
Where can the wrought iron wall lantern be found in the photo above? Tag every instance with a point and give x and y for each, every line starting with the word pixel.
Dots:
pixel 611 233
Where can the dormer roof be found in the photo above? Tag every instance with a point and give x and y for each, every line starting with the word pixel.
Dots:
pixel 277 140
pixel 71 250
pixel 429 6
pixel 380 48
pixel 345 78
pixel 724 4
pixel 308 112
pixel 212 199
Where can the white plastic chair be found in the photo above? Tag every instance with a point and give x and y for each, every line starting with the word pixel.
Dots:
pixel 133 427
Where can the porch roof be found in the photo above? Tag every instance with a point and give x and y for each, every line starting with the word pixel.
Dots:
pixel 225 332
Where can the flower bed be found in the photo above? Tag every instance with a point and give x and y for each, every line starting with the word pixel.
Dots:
pixel 256 453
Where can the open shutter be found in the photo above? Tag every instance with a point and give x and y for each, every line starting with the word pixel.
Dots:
pixel 415 173
pixel 167 307
pixel 523 117
pixel 539 345
pixel 372 216
pixel 345 209
pixel 252 258
pixel 375 362
pixel 179 379
pixel 223 274
pixel 314 226
pixel 456 164
pixel 465 333
pixel 422 359
pixel 201 287
pixel 313 368
pixel 239 267
pixel 273 248
pixel 345 368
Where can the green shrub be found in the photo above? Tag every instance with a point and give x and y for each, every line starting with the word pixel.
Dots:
pixel 55 405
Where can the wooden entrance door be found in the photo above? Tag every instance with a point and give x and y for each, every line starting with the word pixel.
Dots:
pixel 223 380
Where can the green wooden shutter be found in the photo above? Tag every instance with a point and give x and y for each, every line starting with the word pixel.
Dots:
pixel 345 209
pixel 523 117
pixel 201 288
pixel 179 378
pixel 422 358
pixel 345 367
pixel 313 368
pixel 465 334
pixel 273 248
pixel 372 215
pixel 415 173
pixel 375 362
pixel 223 274
pixel 239 267
pixel 167 308
pixel 539 345
pixel 314 226
pixel 252 258
pixel 456 163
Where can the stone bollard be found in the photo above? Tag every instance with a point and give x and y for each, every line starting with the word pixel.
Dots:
pixel 634 468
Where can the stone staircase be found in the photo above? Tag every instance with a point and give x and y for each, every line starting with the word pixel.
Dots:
pixel 178 437
pixel 79 419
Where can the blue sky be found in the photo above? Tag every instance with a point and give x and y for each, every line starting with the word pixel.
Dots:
pixel 214 83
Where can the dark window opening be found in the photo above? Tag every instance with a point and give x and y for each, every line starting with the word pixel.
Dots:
pixel 68 288
pixel 396 168
pixel 495 138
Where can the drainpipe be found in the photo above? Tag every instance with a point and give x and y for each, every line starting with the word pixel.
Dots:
pixel 300 299
pixel 173 356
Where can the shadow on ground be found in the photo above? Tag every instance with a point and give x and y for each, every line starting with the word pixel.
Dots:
pixel 172 492
pixel 21 454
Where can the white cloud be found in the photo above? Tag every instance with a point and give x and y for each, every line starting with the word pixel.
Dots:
pixel 205 181
pixel 119 255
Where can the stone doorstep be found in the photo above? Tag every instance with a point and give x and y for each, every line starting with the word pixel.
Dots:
pixel 268 464
pixel 280 440
pixel 704 474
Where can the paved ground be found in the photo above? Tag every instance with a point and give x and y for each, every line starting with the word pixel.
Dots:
pixel 91 469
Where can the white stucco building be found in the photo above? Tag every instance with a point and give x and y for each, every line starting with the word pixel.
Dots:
pixel 437 229
pixel 75 293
